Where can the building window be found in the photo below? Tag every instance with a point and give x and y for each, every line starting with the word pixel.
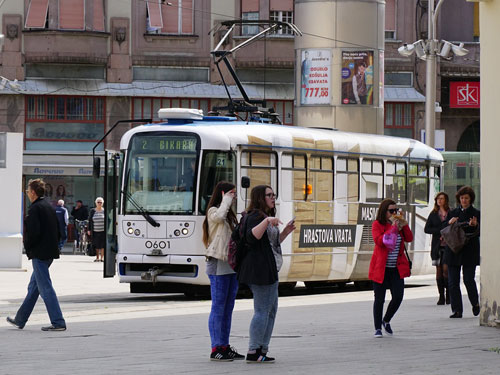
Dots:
pixel 64 122
pixel 390 19
pixel 148 107
pixel 399 119
pixel 36 17
pixel 250 29
pixel 172 18
pixel 282 16
pixel 71 14
pixel 284 108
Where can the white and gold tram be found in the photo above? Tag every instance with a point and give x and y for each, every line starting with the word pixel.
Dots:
pixel 331 181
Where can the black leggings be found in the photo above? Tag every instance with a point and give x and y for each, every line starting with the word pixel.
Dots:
pixel 396 284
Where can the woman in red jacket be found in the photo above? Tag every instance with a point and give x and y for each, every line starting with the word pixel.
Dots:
pixel 389 265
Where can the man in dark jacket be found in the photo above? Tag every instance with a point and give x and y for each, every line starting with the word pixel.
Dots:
pixel 41 238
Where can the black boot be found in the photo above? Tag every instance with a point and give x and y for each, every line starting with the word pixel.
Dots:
pixel 441 287
pixel 447 290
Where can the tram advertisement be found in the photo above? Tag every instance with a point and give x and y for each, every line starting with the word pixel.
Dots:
pixel 315 76
pixel 327 235
pixel 357 77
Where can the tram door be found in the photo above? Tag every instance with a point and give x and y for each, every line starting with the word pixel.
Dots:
pixel 112 174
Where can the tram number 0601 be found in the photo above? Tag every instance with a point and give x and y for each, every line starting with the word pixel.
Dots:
pixel 157 244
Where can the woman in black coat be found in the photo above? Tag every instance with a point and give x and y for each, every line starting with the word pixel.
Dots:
pixel 435 222
pixel 468 257
pixel 259 269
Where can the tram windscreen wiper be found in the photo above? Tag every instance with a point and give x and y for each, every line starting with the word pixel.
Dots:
pixel 141 210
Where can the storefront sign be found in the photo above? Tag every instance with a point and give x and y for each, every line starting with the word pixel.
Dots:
pixel 315 76
pixel 357 77
pixel 58 171
pixel 464 94
pixel 3 150
pixel 327 235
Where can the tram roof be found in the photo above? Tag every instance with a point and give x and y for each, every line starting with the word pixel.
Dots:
pixel 224 133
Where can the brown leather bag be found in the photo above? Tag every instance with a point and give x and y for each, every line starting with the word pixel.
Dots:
pixel 454 236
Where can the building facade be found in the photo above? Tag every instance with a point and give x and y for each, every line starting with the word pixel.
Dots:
pixel 458 91
pixel 70 69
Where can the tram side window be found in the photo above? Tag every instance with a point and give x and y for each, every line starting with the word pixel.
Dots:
pixel 372 180
pixel 347 180
pixel 321 178
pixel 435 180
pixel 418 183
pixel 216 166
pixel 261 167
pixel 395 181
pixel 293 176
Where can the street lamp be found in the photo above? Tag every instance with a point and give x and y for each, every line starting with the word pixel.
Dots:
pixel 428 51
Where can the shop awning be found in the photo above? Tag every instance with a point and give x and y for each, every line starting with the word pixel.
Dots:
pixel 95 87
pixel 402 94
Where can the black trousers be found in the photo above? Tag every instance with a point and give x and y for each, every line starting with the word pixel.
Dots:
pixel 454 286
pixel 396 284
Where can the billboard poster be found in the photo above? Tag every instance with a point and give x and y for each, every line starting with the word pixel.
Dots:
pixel 3 150
pixel 315 73
pixel 357 77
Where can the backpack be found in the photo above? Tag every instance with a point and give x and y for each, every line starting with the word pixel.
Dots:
pixel 237 249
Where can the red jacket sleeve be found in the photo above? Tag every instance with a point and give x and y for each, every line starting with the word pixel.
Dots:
pixel 407 234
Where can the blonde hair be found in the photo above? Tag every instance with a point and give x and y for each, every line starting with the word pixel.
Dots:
pixel 99 199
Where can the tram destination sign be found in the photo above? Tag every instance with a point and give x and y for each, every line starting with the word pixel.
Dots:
pixel 327 235
pixel 161 144
pixel 3 150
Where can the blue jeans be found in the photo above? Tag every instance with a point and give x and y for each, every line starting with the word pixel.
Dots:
pixel 40 284
pixel 265 306
pixel 454 286
pixel 223 289
pixel 396 284
pixel 64 237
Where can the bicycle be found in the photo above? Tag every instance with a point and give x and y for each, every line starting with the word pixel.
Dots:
pixel 81 227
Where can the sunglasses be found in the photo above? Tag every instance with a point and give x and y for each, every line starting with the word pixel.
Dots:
pixel 99 202
pixel 393 210
pixel 271 195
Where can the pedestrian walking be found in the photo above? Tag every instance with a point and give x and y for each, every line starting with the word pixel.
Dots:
pixel 41 238
pixel 435 222
pixel 96 229
pixel 389 264
pixel 80 213
pixel 259 268
pixel 219 223
pixel 468 258
pixel 62 220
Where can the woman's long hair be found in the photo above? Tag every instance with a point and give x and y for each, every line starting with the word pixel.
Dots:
pixel 222 186
pixel 446 202
pixel 258 201
pixel 382 210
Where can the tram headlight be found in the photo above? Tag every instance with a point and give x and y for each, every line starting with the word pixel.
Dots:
pixel 130 230
pixel 137 232
pixel 177 232
pixel 185 231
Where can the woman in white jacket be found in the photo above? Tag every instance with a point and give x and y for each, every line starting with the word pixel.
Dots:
pixel 217 228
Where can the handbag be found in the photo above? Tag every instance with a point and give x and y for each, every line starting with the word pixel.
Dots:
pixel 390 239
pixel 454 236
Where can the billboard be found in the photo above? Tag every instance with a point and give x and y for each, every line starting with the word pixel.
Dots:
pixel 357 77
pixel 464 95
pixel 315 76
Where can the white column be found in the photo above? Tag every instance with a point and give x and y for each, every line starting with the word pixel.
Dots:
pixel 12 197
pixel 490 167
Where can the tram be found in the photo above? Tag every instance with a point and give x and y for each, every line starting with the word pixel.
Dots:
pixel 158 185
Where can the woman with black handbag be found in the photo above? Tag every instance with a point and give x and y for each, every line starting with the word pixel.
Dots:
pixel 435 222
pixel 468 257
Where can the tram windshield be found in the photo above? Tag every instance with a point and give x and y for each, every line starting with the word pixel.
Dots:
pixel 161 174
